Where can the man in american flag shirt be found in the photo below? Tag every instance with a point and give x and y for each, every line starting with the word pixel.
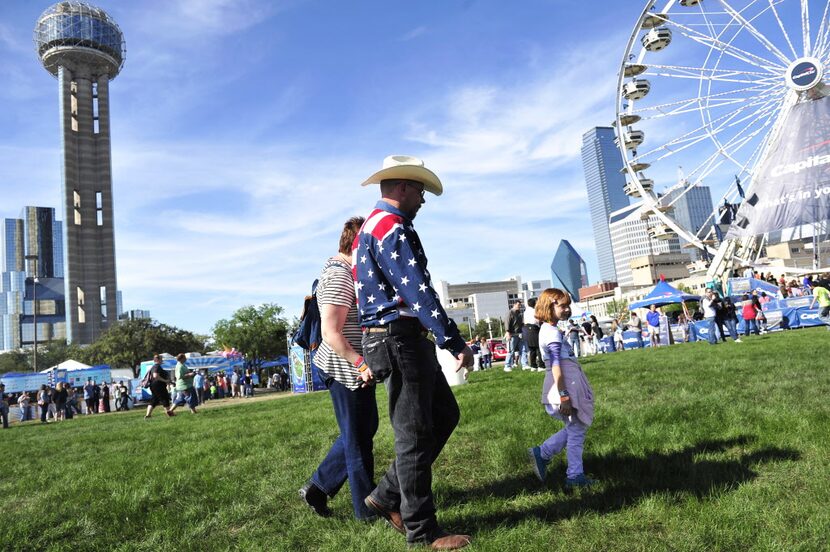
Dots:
pixel 397 307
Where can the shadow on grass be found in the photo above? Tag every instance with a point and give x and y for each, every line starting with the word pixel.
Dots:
pixel 701 470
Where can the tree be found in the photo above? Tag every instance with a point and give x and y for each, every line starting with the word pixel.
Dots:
pixel 257 332
pixel 617 308
pixel 129 342
pixel 14 361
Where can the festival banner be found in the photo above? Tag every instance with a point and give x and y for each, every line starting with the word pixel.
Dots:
pixel 792 185
pixel 296 355
pixel 17 383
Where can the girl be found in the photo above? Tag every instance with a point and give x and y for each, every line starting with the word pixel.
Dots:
pixel 485 358
pixel 566 393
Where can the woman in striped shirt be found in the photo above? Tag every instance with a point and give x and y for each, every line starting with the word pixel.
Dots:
pixel 350 384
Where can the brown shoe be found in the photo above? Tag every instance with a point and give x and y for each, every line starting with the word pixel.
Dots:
pixel 392 518
pixel 450 542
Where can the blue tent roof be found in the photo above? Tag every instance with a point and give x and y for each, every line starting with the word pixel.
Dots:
pixel 280 361
pixel 663 294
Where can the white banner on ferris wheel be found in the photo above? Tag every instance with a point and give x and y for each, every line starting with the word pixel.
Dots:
pixel 792 186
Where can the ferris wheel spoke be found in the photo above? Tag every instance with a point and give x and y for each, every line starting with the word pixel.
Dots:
pixel 672 75
pixel 750 28
pixel 822 35
pixel 759 88
pixel 727 48
pixel 707 129
pixel 781 26
pixel 805 25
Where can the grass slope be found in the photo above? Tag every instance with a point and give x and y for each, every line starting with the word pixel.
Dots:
pixel 696 447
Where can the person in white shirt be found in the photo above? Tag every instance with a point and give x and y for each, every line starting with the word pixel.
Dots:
pixel 710 312
pixel 530 335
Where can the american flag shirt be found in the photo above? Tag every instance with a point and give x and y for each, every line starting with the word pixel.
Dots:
pixel 392 280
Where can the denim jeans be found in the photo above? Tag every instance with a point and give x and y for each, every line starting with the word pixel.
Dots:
pixel 514 347
pixel 4 414
pixel 351 454
pixel 424 414
pixel 732 327
pixel 713 330
pixel 750 325
pixel 574 341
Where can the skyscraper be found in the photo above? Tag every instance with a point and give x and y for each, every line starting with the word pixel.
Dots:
pixel 630 239
pixel 568 270
pixel 36 233
pixel 602 163
pixel 84 48
pixel 692 211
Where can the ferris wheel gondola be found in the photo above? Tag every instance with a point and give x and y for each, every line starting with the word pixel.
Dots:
pixel 708 84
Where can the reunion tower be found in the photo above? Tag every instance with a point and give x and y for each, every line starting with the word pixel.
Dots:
pixel 84 48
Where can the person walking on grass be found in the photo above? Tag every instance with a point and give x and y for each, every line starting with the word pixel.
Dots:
pixel 821 295
pixel 397 306
pixel 635 324
pixel 4 407
pixel 653 320
pixel 710 305
pixel 749 313
pixel 159 379
pixel 185 394
pixel 61 396
pixel 348 379
pixel 89 396
pixel 515 321
pixel 566 393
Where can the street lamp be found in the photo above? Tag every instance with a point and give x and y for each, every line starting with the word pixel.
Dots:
pixel 34 258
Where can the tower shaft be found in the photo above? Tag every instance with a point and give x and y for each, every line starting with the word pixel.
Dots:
pixel 89 241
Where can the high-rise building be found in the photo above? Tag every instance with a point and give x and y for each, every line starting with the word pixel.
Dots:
pixel 692 210
pixel 602 163
pixel 40 230
pixel 11 240
pixel 34 234
pixel 84 48
pixel 630 239
pixel 568 270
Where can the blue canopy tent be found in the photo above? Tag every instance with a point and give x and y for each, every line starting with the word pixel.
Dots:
pixel 663 294
pixel 280 361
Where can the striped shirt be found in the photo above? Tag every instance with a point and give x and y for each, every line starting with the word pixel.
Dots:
pixel 336 287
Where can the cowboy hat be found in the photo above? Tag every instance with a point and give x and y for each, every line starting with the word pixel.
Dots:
pixel 407 168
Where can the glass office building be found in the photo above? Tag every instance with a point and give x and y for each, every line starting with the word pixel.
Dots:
pixel 568 270
pixel 602 163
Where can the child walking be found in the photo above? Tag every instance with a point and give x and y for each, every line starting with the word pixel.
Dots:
pixel 566 393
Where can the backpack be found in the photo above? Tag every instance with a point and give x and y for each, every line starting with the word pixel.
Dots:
pixel 147 379
pixel 308 334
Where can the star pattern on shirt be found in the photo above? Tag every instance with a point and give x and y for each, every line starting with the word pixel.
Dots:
pixel 434 313
pixel 411 262
pixel 416 307
pixel 371 273
pixel 402 237
pixel 422 287
pixel 404 280
pixel 380 247
pixel 359 286
pixel 382 286
pixel 363 259
pixel 371 299
pixel 394 255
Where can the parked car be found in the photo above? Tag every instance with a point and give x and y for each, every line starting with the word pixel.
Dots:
pixel 497 349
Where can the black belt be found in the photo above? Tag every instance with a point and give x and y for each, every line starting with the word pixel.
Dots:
pixel 406 325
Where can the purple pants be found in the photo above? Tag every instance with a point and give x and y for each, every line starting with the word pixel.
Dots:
pixel 570 437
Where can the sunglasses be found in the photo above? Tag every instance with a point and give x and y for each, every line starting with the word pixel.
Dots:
pixel 417 185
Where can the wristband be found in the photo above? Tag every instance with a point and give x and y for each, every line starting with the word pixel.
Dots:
pixel 565 398
pixel 360 364
pixel 564 393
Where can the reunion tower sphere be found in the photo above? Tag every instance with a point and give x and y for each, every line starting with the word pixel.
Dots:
pixel 72 33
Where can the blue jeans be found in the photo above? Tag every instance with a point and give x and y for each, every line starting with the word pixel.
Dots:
pixel 351 455
pixel 732 327
pixel 750 325
pixel 574 341
pixel 424 414
pixel 4 414
pixel 514 347
pixel 187 397
pixel 713 330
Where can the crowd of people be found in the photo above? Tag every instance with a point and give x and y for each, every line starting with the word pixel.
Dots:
pixel 63 401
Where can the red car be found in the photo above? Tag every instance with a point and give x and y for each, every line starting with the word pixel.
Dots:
pixel 497 349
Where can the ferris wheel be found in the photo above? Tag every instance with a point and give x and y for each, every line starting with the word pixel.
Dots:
pixel 705 85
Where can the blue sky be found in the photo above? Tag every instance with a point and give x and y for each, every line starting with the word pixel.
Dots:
pixel 241 130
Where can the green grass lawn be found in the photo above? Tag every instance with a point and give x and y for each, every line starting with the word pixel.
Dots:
pixel 696 448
